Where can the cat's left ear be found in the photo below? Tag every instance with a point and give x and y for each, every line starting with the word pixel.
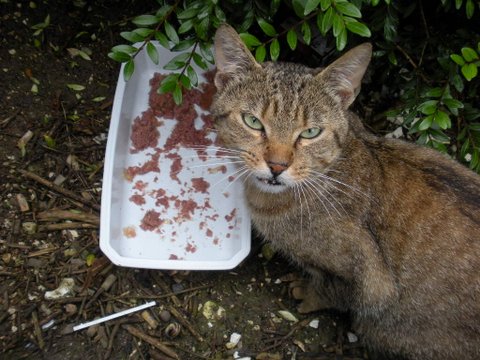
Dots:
pixel 344 76
pixel 232 57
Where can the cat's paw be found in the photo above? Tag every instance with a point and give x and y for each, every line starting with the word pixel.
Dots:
pixel 311 300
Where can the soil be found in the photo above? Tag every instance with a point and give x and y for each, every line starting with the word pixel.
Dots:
pixel 53 132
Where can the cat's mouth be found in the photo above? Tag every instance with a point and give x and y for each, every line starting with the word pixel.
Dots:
pixel 271 181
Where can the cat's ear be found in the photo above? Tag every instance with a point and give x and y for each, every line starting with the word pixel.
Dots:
pixel 344 76
pixel 232 57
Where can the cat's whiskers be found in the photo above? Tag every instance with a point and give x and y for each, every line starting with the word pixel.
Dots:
pixel 319 195
pixel 321 183
pixel 296 192
pixel 232 176
pixel 217 163
pixel 217 149
pixel 331 179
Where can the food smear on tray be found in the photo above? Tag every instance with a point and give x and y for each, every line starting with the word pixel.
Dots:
pixel 163 186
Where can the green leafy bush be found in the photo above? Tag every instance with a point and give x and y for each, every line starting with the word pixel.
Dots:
pixel 424 73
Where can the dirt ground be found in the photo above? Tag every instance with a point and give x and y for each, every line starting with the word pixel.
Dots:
pixel 54 118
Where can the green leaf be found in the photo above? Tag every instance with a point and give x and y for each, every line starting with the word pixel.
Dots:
pixel 128 70
pixel 183 45
pixel 358 28
pixel 474 161
pixel 162 39
pixel 338 25
pixel 457 59
pixel 274 49
pixel 457 82
pixel 76 87
pixel 327 21
pixel 307 33
pixel 220 14
pixel 168 84
pixel 128 49
pixel 206 51
pixel 458 4
pixel 163 11
pixel 260 53
pixel 177 62
pixel 185 27
pixel 392 58
pixel 434 92
pixel 171 32
pixel 143 32
pixel 267 28
pixel 152 53
pixel 145 20
pixel 428 107
pixel 131 36
pixel 177 94
pixel 188 13
pixel 453 104
pixel 192 75
pixel 299 7
pixel 442 119
pixel 347 8
pixel 325 4
pixel 49 141
pixel 119 56
pixel 199 61
pixel 341 40
pixel 250 40
pixel 469 71
pixel 469 54
pixel 184 79
pixel 202 28
pixel 292 39
pixel 469 9
pixel 426 123
pixel 310 6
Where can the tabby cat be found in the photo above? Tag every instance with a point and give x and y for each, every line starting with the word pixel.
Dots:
pixel 387 230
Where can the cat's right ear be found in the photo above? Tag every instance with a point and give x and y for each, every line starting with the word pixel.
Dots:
pixel 344 76
pixel 232 57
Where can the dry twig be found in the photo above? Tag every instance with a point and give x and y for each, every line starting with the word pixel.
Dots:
pixel 151 340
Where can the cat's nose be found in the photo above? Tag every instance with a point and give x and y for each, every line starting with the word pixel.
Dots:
pixel 277 168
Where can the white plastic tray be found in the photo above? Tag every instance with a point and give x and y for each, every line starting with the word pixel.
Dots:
pixel 212 239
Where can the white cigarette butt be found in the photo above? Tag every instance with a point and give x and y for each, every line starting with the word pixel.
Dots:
pixel 114 316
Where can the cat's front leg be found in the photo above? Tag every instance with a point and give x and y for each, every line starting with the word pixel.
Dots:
pixel 320 291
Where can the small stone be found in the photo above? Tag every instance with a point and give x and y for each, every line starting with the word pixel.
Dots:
pixel 314 324
pixel 352 338
pixel 234 340
pixel 29 227
pixel 22 203
pixel 65 289
pixel 71 308
pixel 213 311
pixel 165 315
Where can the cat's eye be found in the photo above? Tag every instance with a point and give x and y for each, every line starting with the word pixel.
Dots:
pixel 252 121
pixel 310 133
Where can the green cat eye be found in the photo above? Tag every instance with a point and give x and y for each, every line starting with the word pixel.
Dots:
pixel 252 121
pixel 310 133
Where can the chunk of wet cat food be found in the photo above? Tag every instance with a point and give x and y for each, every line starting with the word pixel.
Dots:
pixel 144 131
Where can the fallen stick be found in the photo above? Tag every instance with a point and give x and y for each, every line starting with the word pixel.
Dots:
pixel 59 189
pixel 151 340
pixel 37 330
pixel 56 214
pixel 66 226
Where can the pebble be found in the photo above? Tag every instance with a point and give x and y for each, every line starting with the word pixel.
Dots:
pixel 165 315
